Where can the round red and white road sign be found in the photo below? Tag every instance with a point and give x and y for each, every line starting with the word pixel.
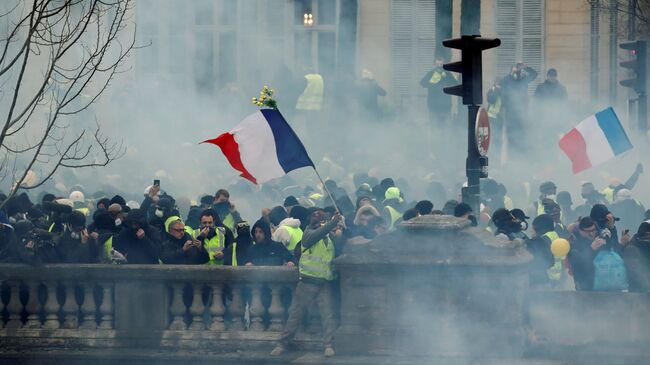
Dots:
pixel 482 131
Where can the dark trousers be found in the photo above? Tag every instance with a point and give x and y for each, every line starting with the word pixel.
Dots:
pixel 304 297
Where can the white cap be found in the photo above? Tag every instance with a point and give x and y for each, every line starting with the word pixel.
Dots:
pixel 77 196
pixel 67 202
pixel 133 204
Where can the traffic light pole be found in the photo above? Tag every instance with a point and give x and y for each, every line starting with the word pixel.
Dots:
pixel 471 91
pixel 472 193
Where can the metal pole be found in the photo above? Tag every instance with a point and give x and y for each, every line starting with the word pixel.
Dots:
pixel 642 113
pixel 471 194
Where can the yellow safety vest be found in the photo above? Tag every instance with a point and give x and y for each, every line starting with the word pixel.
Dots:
pixel 108 246
pixel 229 222
pixel 540 208
pixel 554 272
pixel 312 97
pixel 84 211
pixel 316 261
pixel 436 77
pixel 295 235
pixel 234 254
pixel 609 194
pixel 394 215
pixel 494 109
pixel 214 244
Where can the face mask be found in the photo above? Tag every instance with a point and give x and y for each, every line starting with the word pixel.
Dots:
pixel 523 225
pixel 159 213
pixel 552 197
pixel 222 207
pixel 118 222
pixel 75 235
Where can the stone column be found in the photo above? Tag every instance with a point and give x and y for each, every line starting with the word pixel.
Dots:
pixel 197 308
pixel 14 307
pixel 236 308
pixel 276 311
pixel 70 307
pixel 256 308
pixel 217 310
pixel 177 308
pixel 33 306
pixel 88 308
pixel 51 307
pixel 106 307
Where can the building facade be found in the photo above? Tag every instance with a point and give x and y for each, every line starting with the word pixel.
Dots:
pixel 204 45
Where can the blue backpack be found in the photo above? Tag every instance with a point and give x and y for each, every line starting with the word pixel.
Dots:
pixel 610 272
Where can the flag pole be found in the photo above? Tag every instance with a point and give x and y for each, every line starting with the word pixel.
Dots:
pixel 327 190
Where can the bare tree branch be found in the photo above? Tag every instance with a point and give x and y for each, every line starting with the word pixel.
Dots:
pixel 77 47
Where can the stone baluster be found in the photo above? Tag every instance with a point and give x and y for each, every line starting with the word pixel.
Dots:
pixel 89 308
pixel 106 307
pixel 256 308
pixel 276 311
pixel 70 307
pixel 236 308
pixel 197 308
pixel 177 308
pixel 51 307
pixel 33 306
pixel 217 310
pixel 14 307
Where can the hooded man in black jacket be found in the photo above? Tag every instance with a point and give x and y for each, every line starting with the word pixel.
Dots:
pixel 181 249
pixel 138 241
pixel 267 252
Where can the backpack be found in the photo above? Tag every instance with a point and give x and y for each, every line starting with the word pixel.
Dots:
pixel 609 271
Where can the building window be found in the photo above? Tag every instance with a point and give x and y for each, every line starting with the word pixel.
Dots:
pixel 413 45
pixel 520 26
pixel 315 46
pixel 215 44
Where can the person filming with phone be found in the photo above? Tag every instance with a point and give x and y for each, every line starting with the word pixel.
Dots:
pixel 179 248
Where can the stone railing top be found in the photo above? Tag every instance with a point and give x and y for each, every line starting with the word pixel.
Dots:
pixel 104 272
pixel 435 223
pixel 437 240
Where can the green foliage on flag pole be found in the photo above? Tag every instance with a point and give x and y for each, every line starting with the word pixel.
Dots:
pixel 266 98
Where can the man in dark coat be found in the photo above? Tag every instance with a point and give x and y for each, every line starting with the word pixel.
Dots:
pixel 637 259
pixel 551 90
pixel 138 241
pixel 181 249
pixel 75 245
pixel 514 95
pixel 584 244
pixel 438 102
pixel 267 252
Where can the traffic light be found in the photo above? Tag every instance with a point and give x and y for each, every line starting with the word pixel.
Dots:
pixel 470 66
pixel 637 64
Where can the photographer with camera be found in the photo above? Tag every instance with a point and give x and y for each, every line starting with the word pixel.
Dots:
pixel 180 248
pixel 605 221
pixel 75 244
pixel 35 246
pixel 508 225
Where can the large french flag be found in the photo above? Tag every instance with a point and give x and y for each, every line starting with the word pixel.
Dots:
pixel 595 140
pixel 263 147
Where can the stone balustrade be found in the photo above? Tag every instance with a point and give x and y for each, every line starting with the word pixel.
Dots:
pixel 159 305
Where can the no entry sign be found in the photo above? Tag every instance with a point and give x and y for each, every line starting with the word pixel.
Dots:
pixel 482 131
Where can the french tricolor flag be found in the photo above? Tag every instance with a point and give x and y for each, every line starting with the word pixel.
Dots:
pixel 263 147
pixel 595 140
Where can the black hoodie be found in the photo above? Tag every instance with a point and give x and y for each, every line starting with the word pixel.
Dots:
pixel 268 252
pixel 138 251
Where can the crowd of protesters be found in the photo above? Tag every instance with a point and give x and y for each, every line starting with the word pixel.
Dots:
pixel 76 229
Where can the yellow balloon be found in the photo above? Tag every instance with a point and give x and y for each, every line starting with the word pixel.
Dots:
pixel 560 247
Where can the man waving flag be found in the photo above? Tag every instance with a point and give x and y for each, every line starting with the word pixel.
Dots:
pixel 597 139
pixel 263 147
